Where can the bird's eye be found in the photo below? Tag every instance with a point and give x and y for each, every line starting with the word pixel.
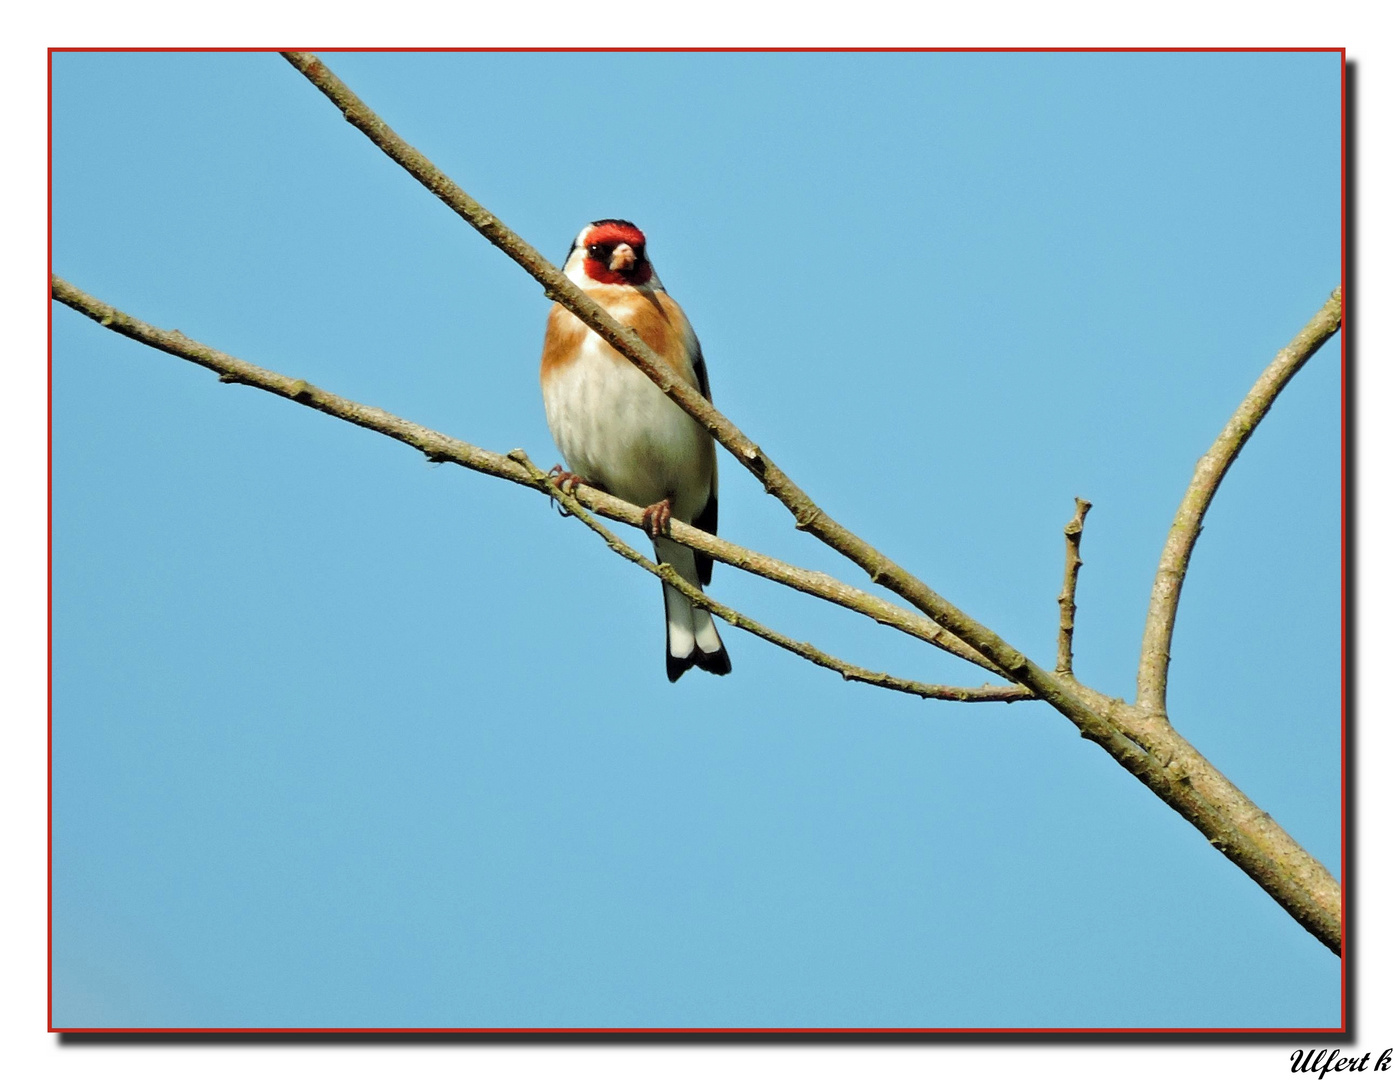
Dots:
pixel 599 251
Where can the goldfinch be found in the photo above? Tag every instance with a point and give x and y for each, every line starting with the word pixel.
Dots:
pixel 618 432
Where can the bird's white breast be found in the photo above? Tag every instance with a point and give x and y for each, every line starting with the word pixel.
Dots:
pixel 615 427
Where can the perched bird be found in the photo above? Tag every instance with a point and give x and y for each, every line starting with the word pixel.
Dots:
pixel 618 432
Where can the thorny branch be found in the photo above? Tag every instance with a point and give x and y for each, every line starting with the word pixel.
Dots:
pixel 516 467
pixel 1139 737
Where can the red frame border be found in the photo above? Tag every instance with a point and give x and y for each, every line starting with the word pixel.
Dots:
pixel 755 1031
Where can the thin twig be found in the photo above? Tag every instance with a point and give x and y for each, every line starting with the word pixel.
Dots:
pixel 1073 535
pixel 850 672
pixel 441 448
pixel 1154 667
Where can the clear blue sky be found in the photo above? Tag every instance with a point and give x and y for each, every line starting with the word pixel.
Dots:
pixel 343 738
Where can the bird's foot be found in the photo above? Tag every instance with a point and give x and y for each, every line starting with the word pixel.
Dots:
pixel 566 481
pixel 657 519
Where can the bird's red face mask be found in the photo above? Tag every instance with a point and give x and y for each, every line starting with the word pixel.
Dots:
pixel 615 254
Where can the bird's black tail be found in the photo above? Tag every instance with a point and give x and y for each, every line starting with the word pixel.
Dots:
pixel 692 639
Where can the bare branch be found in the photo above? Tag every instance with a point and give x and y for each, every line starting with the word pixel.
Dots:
pixel 1153 670
pixel 1073 536
pixel 519 470
pixel 850 672
pixel 807 515
pixel 1153 752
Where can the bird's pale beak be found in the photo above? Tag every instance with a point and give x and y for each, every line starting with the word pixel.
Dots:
pixel 623 258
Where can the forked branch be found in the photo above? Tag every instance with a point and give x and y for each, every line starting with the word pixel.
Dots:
pixel 516 467
pixel 850 672
pixel 807 515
